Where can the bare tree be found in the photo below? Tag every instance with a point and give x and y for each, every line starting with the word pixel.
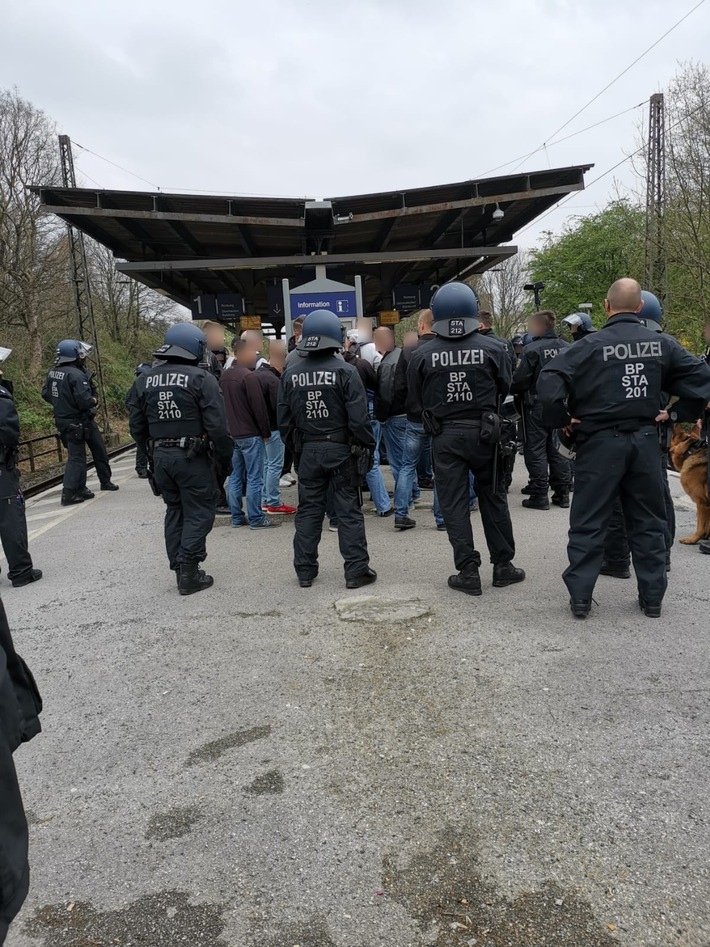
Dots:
pixel 501 292
pixel 33 253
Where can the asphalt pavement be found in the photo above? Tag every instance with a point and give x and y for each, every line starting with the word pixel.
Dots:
pixel 265 766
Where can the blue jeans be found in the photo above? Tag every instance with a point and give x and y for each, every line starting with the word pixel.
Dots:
pixel 394 432
pixel 273 465
pixel 416 441
pixel 247 464
pixel 375 480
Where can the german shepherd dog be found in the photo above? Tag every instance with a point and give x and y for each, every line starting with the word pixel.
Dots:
pixel 689 453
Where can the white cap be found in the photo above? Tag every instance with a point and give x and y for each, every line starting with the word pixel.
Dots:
pixel 353 335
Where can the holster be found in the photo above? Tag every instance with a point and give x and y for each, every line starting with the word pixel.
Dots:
pixel 430 423
pixel 151 470
pixel 491 428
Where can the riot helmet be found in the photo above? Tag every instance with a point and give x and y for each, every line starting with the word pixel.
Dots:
pixel 72 350
pixel 183 341
pixel 455 311
pixel 651 311
pixel 580 324
pixel 322 330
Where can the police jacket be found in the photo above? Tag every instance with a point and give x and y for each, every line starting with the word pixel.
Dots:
pixel 619 377
pixel 9 422
pixel 458 379
pixel 389 401
pixel 68 390
pixel 177 399
pixel 490 334
pixel 536 355
pixel 322 396
pixel 20 706
pixel 270 381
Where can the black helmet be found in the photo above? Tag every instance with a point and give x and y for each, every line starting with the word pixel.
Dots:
pixel 142 369
pixel 455 311
pixel 651 312
pixel 321 330
pixel 71 350
pixel 183 340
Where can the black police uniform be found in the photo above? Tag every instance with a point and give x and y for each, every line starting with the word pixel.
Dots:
pixel 457 381
pixel 69 391
pixel 20 706
pixel 612 382
pixel 323 410
pixel 179 408
pixel 13 522
pixel 545 464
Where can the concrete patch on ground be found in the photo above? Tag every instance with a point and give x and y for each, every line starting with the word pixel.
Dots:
pixel 443 891
pixel 156 920
pixel 372 609
pixel 213 750
pixel 267 784
pixel 175 823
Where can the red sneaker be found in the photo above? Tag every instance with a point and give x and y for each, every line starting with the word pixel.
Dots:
pixel 282 510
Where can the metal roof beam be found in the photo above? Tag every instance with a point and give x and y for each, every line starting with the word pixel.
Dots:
pixel 63 210
pixel 330 259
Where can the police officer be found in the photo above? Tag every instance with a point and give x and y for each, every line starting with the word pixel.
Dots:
pixel 608 388
pixel 580 325
pixel 69 390
pixel 456 383
pixel 323 412
pixel 545 464
pixel 617 554
pixel 20 707
pixel 176 414
pixel 13 522
pixel 141 456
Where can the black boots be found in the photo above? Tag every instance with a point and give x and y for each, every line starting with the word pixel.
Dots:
pixel 468 581
pixel 404 522
pixel 617 570
pixel 69 498
pixel 365 578
pixel 109 486
pixel 505 573
pixel 650 609
pixel 34 575
pixel 580 607
pixel 192 579
pixel 561 498
pixel 538 501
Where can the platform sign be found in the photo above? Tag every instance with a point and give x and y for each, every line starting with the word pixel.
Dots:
pixel 250 322
pixel 388 317
pixel 342 302
pixel 222 307
pixel 406 297
pixel 275 304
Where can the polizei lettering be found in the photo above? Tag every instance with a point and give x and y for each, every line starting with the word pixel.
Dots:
pixel 457 357
pixel 167 380
pixel 630 350
pixel 313 379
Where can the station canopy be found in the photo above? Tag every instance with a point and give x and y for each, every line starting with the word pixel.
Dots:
pixel 187 245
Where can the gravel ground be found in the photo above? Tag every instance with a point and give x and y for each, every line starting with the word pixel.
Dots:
pixel 250 767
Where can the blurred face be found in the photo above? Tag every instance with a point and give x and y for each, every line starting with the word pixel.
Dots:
pixel 297 330
pixel 277 355
pixel 410 340
pixel 246 356
pixel 215 337
pixel 384 340
pixel 537 326
pixel 364 330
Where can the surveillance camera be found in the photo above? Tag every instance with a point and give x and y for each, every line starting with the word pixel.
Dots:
pixel 498 213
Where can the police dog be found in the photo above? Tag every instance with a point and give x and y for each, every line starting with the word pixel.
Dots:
pixel 689 454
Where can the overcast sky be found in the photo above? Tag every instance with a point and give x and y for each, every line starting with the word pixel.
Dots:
pixel 323 98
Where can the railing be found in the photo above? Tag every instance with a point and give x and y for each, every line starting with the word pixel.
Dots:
pixel 33 450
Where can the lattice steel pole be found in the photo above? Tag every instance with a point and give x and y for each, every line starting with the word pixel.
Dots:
pixel 81 282
pixel 656 270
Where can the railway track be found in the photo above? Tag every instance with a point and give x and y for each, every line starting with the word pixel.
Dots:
pixel 55 479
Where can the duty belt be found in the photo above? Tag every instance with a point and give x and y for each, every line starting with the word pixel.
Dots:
pixel 184 442
pixel 326 438
pixel 467 422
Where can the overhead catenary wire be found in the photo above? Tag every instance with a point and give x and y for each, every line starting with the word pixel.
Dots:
pixel 581 131
pixel 604 174
pixel 113 163
pixel 549 139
